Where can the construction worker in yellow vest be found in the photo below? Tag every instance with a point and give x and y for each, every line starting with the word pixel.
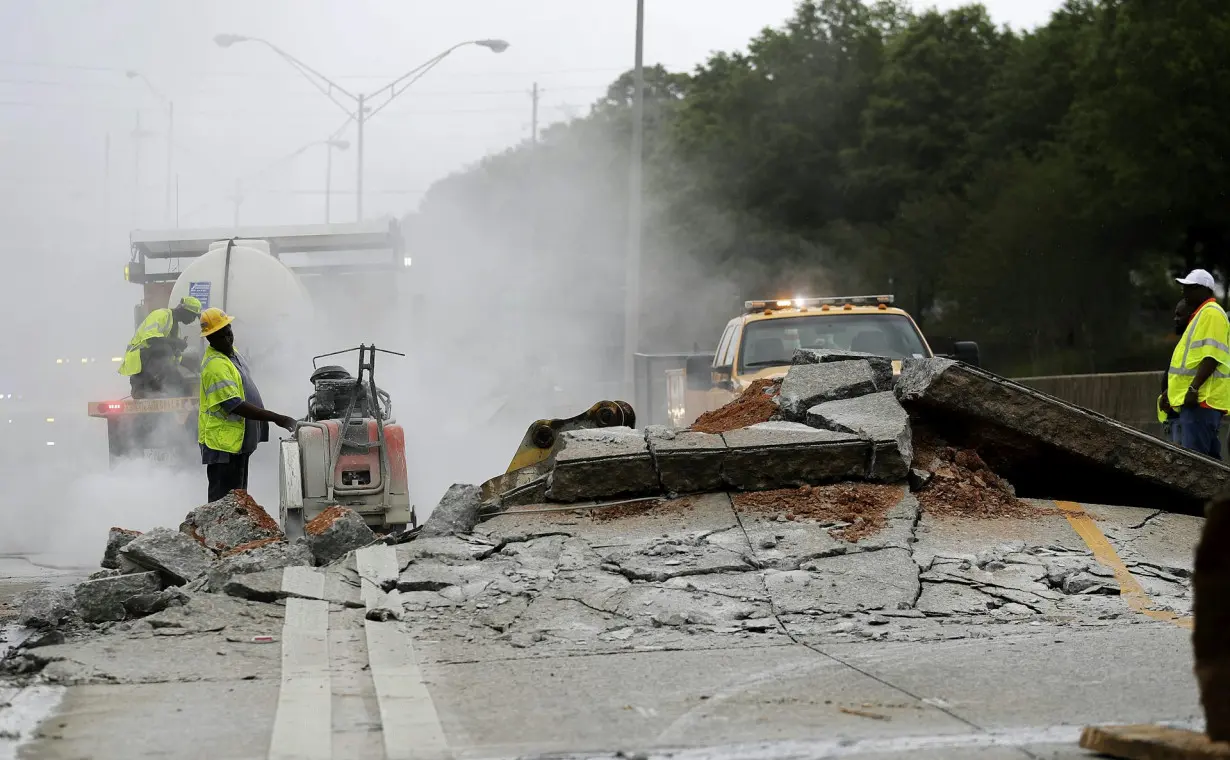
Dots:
pixel 231 420
pixel 1166 414
pixel 151 361
pixel 1198 381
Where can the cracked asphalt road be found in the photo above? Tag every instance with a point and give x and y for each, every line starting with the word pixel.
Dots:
pixel 694 629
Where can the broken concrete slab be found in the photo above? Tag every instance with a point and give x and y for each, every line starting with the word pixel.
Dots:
pixel 806 385
pixel 788 455
pixel 429 575
pixel 335 532
pixel 178 557
pixel 1051 449
pixel 941 599
pixel 46 607
pixel 232 521
pixel 104 599
pixel 527 485
pixel 687 462
pixel 457 511
pixel 885 579
pixel 272 556
pixel 117 538
pixel 150 603
pixel 877 418
pixel 881 366
pixel 651 565
pixel 603 463
pixel 261 586
pixel 444 548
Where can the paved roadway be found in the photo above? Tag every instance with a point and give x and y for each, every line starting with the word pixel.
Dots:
pixel 693 631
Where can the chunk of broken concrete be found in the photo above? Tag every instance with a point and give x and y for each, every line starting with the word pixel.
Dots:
pixel 1211 584
pixel 788 455
pixel 46 607
pixel 457 512
pixel 602 463
pixel 335 532
pixel 271 556
pixel 117 538
pixel 178 557
pixel 154 602
pixel 104 599
pixel 1051 449
pixel 877 418
pixel 881 366
pixel 232 521
pixel 806 385
pixel 687 462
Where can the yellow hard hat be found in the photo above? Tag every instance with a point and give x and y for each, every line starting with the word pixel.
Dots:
pixel 213 320
pixel 191 304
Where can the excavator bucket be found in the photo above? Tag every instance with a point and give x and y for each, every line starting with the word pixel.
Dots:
pixel 538 445
pixel 541 438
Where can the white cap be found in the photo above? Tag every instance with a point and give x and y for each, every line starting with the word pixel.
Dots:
pixel 1197 277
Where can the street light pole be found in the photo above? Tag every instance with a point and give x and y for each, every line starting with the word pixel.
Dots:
pixel 632 287
pixel 361 118
pixel 360 115
pixel 170 136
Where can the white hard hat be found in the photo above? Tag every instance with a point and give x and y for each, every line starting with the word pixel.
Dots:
pixel 1197 277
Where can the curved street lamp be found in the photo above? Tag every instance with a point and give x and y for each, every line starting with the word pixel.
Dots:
pixel 357 109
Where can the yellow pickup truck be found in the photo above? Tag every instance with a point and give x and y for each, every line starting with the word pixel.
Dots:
pixel 761 342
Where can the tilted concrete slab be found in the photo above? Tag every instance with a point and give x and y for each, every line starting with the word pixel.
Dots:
pixel 603 464
pixel 786 455
pixel 806 385
pixel 881 366
pixel 1048 448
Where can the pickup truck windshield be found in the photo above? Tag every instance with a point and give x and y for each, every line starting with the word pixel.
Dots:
pixel 772 342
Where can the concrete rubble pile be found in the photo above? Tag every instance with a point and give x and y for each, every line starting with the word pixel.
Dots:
pixel 840 416
pixel 814 516
pixel 230 546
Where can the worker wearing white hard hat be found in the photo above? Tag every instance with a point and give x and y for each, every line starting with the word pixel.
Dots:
pixel 232 419
pixel 1198 380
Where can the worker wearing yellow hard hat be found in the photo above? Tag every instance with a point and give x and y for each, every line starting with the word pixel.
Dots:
pixel 232 419
pixel 152 357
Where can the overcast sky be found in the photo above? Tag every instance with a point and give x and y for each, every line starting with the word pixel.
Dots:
pixel 77 176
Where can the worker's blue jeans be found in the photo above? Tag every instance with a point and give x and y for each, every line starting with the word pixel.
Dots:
pixel 1198 428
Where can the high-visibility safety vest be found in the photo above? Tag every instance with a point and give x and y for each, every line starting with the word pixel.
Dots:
pixel 159 324
pixel 1207 336
pixel 217 429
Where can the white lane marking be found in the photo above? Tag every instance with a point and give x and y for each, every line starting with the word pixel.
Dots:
pixel 377 566
pixel 23 713
pixel 410 724
pixel 303 581
pixel 303 724
pixel 412 727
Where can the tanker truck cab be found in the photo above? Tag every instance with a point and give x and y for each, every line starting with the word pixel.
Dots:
pixel 761 342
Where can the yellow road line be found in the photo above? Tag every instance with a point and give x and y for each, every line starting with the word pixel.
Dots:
pixel 1129 588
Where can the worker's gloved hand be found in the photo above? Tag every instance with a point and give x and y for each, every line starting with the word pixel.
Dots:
pixel 1191 398
pixel 288 423
pixel 1163 403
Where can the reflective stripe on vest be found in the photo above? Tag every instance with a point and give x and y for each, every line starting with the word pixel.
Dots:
pixel 158 324
pixel 220 381
pixel 1208 335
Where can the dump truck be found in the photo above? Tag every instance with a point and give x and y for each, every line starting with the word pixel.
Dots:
pixel 760 343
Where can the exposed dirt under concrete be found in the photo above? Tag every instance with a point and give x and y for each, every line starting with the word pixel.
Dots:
pixel 322 521
pixel 863 506
pixel 645 506
pixel 252 545
pixel 753 406
pixel 962 485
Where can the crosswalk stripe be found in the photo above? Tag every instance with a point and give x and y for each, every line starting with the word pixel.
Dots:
pixel 303 724
pixel 412 729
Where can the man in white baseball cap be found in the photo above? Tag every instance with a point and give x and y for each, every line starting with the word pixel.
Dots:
pixel 1198 381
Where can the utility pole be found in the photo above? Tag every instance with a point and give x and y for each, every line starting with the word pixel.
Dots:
pixel 360 117
pixel 170 158
pixel 136 173
pixel 106 225
pixel 238 200
pixel 534 94
pixel 632 288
